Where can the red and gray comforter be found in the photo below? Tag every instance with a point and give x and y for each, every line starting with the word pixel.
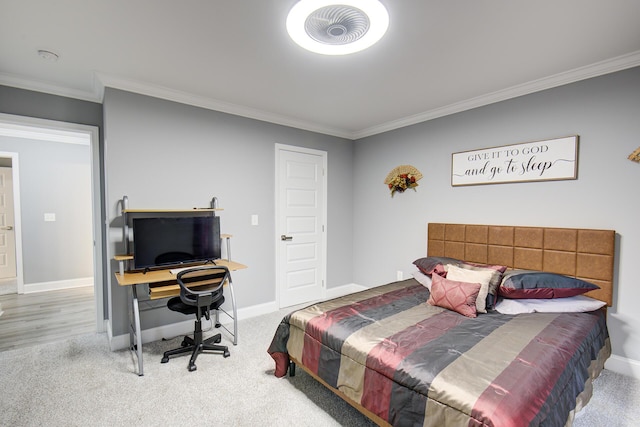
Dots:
pixel 415 364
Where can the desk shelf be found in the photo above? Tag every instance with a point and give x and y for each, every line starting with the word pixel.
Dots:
pixel 125 259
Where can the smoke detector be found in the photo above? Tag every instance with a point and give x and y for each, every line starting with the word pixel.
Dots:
pixel 331 27
pixel 48 55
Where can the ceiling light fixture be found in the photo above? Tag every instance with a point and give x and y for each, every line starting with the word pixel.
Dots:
pixel 337 27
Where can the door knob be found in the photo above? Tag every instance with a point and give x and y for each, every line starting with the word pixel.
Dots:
pixel 285 237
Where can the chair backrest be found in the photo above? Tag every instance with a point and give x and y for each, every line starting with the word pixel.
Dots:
pixel 201 286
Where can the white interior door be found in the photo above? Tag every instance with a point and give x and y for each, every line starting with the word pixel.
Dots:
pixel 7 230
pixel 300 230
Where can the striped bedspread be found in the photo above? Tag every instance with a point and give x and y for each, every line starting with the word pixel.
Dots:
pixel 413 364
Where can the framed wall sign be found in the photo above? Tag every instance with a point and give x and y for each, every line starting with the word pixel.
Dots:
pixel 549 160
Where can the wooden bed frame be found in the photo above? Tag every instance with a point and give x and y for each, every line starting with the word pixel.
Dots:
pixel 583 253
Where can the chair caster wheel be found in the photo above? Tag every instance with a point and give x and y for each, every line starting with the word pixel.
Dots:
pixel 192 368
pixel 217 340
pixel 218 325
pixel 164 360
pixel 226 353
pixel 184 343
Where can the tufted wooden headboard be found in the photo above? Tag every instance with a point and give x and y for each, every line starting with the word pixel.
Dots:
pixel 583 253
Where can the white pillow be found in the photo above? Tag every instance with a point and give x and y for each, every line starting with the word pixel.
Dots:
pixel 423 279
pixel 576 304
pixel 473 276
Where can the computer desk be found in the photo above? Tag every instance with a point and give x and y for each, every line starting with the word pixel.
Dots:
pixel 162 284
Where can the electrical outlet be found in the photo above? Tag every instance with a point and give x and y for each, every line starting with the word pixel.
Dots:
pixel 49 217
pixel 399 275
pixel 254 219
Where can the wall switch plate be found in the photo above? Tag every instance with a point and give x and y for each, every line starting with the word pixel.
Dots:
pixel 254 219
pixel 49 217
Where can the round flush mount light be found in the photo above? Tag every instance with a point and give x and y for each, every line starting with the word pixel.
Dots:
pixel 337 27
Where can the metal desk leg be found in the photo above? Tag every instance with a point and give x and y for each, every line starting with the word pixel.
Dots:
pixel 137 332
pixel 235 314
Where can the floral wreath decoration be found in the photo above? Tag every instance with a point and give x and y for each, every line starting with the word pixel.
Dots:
pixel 401 178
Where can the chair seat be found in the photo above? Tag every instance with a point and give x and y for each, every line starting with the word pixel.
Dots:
pixel 176 304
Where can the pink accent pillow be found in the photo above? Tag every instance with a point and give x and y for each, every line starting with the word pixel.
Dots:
pixel 457 296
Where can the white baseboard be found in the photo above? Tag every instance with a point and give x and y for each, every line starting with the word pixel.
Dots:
pixel 624 366
pixel 344 290
pixel 109 332
pixel 256 310
pixel 57 285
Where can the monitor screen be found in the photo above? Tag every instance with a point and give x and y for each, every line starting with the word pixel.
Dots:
pixel 162 242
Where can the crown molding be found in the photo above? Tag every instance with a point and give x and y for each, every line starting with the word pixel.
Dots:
pixel 156 91
pixel 608 66
pixel 49 135
pixel 44 87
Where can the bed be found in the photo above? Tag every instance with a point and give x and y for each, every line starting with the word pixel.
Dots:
pixel 403 360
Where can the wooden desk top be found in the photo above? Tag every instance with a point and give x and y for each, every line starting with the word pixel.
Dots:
pixel 157 276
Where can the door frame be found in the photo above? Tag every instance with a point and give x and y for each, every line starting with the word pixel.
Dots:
pixel 325 176
pixel 17 220
pixel 59 129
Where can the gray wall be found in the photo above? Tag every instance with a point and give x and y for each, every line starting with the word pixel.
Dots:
pixel 163 154
pixel 603 111
pixel 52 107
pixel 54 178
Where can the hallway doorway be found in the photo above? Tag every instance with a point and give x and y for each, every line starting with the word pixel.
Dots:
pixel 49 224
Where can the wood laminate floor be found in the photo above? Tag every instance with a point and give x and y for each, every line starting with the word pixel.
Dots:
pixel 42 317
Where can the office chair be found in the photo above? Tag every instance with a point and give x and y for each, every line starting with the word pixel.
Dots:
pixel 200 293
